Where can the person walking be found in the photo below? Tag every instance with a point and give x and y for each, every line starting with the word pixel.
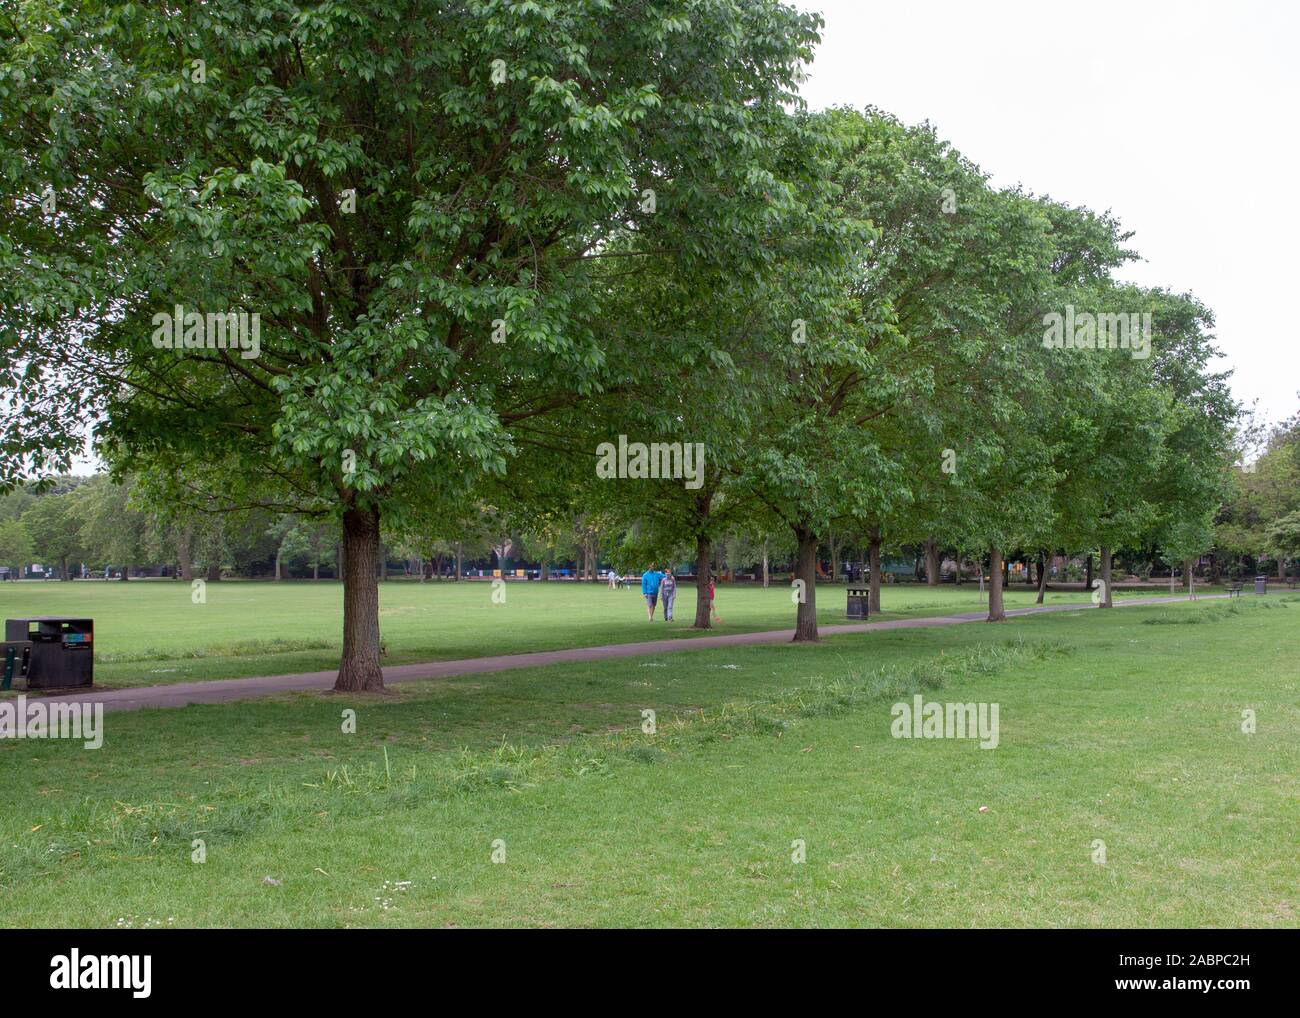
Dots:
pixel 650 581
pixel 668 591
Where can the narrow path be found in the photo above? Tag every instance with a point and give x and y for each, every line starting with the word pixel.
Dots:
pixel 224 690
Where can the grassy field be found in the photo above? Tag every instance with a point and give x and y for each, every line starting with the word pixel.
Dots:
pixel 1120 727
pixel 150 632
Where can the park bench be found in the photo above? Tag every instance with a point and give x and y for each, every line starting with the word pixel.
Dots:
pixel 1234 590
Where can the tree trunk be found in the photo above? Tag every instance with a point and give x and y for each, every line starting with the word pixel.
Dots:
pixel 63 566
pixel 183 557
pixel 996 611
pixel 546 569
pixel 1281 567
pixel 460 551
pixel 214 572
pixel 315 570
pixel 279 558
pixel 359 669
pixel 766 573
pixel 1189 568
pixel 873 586
pixel 1042 577
pixel 1108 599
pixel 956 566
pixel 703 614
pixel 126 573
pixel 805 625
pixel 835 556
pixel 931 563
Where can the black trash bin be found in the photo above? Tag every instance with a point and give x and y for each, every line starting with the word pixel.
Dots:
pixel 857 606
pixel 1261 584
pixel 62 654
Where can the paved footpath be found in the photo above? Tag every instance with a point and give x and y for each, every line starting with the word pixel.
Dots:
pixel 223 690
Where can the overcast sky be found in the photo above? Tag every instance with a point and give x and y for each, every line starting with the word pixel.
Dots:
pixel 1179 117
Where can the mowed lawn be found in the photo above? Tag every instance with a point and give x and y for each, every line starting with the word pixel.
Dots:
pixel 1119 727
pixel 150 632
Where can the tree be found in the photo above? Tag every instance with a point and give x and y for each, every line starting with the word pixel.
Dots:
pixel 54 527
pixel 305 542
pixel 712 330
pixel 1192 480
pixel 15 546
pixel 113 530
pixel 415 199
pixel 1285 538
pixel 1184 540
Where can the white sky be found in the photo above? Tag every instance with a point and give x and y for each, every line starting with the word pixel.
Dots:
pixel 1181 118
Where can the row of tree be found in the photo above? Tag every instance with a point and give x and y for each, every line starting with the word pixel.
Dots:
pixel 479 258
pixel 99 525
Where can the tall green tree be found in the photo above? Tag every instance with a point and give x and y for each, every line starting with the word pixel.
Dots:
pixel 114 530
pixel 15 546
pixel 55 529
pixel 1284 536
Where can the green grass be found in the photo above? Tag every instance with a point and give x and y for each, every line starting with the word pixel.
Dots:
pixel 1111 729
pixel 149 632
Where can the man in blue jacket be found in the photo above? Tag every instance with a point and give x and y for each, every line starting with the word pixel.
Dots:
pixel 650 581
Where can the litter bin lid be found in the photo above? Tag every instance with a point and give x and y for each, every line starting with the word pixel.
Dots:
pixel 49 618
pixel 48 622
